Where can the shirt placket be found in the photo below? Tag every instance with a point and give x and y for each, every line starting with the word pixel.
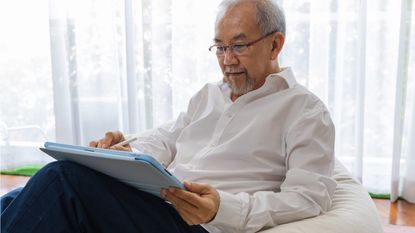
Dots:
pixel 221 125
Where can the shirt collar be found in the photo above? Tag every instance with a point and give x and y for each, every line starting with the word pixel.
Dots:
pixel 287 74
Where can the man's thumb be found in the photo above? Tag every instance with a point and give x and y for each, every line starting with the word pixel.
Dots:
pixel 195 187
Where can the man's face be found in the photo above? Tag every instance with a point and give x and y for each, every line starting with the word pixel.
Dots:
pixel 248 71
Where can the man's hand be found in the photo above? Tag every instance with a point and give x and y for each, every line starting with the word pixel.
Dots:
pixel 196 205
pixel 110 139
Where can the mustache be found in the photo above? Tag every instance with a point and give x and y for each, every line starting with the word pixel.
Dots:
pixel 233 71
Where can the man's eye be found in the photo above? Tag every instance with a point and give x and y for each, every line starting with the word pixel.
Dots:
pixel 238 47
pixel 220 49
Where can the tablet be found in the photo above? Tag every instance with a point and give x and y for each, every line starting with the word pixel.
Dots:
pixel 136 169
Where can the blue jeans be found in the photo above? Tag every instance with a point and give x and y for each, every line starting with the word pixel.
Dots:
pixel 67 197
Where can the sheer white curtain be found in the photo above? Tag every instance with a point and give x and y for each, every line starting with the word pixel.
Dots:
pixel 134 64
pixel 127 65
pixel 358 57
pixel 26 98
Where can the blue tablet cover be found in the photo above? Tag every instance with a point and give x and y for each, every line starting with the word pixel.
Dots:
pixel 136 169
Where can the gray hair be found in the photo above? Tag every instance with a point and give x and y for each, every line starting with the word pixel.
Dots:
pixel 269 16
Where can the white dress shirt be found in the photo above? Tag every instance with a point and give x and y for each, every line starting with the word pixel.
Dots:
pixel 270 153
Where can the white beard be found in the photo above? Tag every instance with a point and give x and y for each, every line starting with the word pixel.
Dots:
pixel 248 86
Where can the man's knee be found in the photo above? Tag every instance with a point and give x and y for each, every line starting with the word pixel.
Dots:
pixel 59 168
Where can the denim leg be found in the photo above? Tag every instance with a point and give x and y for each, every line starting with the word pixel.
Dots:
pixel 7 198
pixel 67 197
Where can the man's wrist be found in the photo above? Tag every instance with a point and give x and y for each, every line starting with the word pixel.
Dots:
pixel 230 211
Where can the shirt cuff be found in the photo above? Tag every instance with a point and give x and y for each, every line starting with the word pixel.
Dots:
pixel 230 212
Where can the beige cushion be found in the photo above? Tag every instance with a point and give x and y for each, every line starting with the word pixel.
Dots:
pixel 353 211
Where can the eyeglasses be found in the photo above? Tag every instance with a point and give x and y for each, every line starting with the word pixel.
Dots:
pixel 235 49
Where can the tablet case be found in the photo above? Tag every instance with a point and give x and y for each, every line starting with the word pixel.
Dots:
pixel 138 170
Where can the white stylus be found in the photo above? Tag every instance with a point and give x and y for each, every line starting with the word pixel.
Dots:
pixel 126 141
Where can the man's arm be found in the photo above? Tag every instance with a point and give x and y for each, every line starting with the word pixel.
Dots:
pixel 306 191
pixel 159 142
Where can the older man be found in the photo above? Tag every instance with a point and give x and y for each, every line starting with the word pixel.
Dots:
pixel 255 150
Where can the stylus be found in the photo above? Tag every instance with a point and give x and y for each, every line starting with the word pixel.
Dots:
pixel 126 141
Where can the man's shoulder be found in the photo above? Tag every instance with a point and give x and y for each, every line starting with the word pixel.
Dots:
pixel 304 98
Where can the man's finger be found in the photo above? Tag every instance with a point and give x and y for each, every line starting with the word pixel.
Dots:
pixel 189 197
pixel 107 141
pixel 103 144
pixel 122 148
pixel 118 136
pixel 179 202
pixel 93 143
pixel 198 188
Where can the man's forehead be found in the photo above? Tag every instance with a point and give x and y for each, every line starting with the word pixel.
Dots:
pixel 237 36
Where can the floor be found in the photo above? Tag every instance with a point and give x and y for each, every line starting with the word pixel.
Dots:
pixel 7 183
pixel 398 217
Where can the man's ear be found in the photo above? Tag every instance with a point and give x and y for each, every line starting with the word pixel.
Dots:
pixel 278 40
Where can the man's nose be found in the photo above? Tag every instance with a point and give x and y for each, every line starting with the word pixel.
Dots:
pixel 229 58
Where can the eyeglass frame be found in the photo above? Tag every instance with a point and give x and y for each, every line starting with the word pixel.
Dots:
pixel 232 46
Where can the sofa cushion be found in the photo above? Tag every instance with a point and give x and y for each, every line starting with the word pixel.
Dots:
pixel 353 211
